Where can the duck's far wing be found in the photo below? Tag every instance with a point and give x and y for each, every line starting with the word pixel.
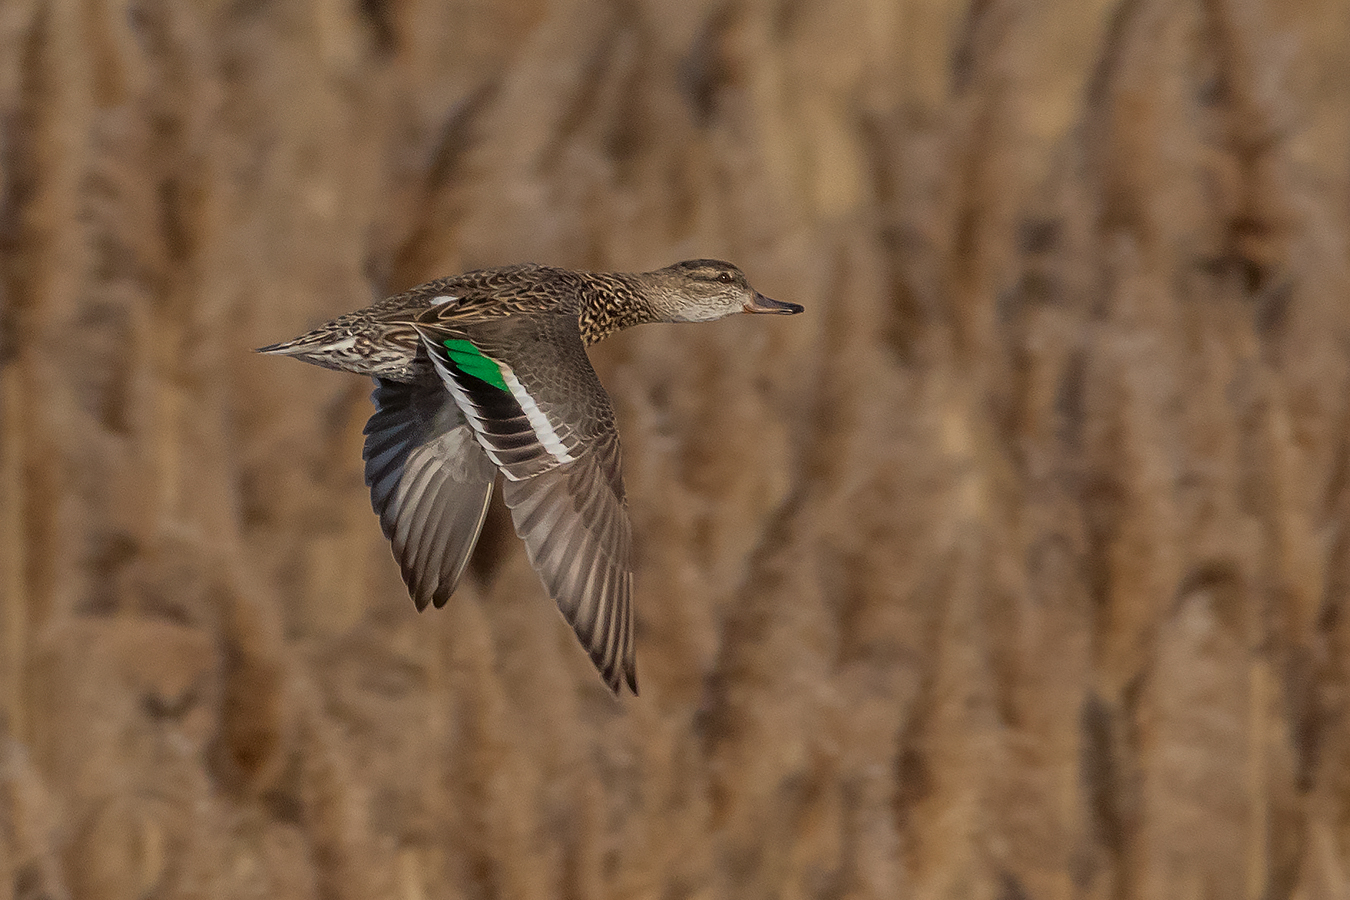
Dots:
pixel 430 484
pixel 546 423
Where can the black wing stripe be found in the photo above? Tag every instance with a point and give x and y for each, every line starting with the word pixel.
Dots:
pixel 490 400
pixel 509 459
pixel 506 440
pixel 501 424
pixel 497 412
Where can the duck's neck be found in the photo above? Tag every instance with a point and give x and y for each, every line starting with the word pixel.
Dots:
pixel 612 302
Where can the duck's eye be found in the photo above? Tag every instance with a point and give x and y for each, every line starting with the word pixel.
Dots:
pixel 725 277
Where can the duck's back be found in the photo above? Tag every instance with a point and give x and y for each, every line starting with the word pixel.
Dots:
pixel 380 340
pixel 485 295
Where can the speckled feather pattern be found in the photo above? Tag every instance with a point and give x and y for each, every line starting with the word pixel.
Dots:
pixel 380 341
pixel 486 373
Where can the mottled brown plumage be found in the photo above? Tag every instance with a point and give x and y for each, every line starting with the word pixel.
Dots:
pixel 487 373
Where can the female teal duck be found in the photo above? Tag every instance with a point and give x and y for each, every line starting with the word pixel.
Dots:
pixel 487 372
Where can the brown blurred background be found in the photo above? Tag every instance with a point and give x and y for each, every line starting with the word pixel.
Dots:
pixel 1017 568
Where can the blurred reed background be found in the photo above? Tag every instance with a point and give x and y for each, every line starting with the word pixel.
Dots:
pixel 1017 568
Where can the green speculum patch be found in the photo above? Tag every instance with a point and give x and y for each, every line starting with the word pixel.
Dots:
pixel 470 360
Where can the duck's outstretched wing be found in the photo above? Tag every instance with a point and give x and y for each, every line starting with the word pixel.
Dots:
pixel 574 523
pixel 430 483
pixel 545 421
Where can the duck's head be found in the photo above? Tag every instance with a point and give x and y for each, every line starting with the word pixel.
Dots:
pixel 702 290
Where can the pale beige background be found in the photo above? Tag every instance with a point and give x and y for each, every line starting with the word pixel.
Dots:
pixel 1017 567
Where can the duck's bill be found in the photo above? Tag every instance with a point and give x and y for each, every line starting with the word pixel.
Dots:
pixel 762 304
